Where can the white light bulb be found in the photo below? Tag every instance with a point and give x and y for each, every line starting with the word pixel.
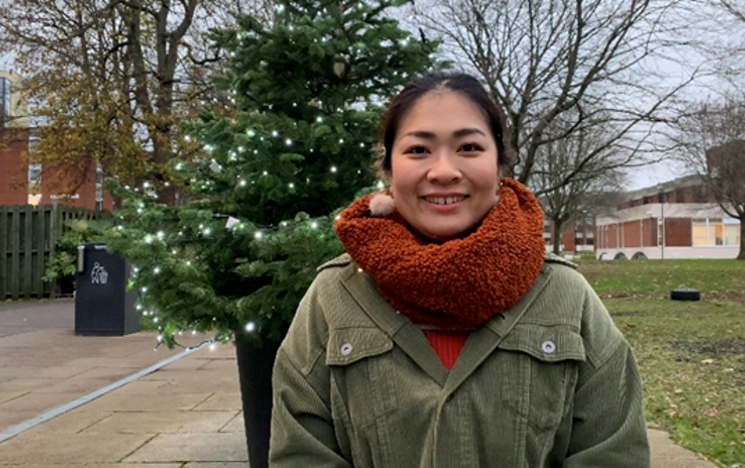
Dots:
pixel 161 234
pixel 274 133
pixel 258 235
pixel 314 225
pixel 148 239
pixel 156 270
pixel 291 185
pixel 207 232
pixel 333 169
pixel 250 326
pixel 288 142
pixel 242 183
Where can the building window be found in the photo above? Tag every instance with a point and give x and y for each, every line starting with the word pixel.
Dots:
pixel 5 102
pixel 712 232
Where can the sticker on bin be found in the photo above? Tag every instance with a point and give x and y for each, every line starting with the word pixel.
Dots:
pixel 99 275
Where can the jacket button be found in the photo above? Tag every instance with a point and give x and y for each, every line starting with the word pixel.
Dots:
pixel 346 349
pixel 548 347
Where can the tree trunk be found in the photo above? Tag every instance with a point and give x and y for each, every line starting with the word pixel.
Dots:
pixel 557 237
pixel 741 255
pixel 255 365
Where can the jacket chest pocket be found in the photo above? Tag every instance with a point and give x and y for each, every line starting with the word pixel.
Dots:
pixel 363 373
pixel 540 365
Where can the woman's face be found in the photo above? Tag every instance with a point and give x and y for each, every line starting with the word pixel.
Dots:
pixel 444 175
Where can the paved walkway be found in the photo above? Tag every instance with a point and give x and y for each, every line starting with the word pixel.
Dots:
pixel 186 414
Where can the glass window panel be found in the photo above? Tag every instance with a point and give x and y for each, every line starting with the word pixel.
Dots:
pixel 718 234
pixel 731 235
pixel 700 235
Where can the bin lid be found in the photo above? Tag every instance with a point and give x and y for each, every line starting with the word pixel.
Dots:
pixel 92 246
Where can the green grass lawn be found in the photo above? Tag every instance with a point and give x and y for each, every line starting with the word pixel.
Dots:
pixel 691 354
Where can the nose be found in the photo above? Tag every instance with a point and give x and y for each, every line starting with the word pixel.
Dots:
pixel 444 169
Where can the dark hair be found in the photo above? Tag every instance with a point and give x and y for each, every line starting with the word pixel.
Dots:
pixel 461 83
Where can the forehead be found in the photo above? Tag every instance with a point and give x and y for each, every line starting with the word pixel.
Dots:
pixel 443 110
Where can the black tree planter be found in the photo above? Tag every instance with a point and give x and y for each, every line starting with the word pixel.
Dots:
pixel 685 294
pixel 255 364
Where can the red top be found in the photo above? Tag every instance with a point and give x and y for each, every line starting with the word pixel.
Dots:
pixel 447 345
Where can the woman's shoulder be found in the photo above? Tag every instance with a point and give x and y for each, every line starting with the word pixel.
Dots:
pixel 564 272
pixel 343 260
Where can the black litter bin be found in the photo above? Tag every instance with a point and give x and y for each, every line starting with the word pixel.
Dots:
pixel 103 306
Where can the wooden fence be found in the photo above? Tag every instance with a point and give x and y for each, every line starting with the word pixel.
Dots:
pixel 27 240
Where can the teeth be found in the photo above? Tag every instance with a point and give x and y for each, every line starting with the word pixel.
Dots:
pixel 445 200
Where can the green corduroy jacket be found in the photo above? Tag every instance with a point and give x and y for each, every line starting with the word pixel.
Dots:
pixel 549 383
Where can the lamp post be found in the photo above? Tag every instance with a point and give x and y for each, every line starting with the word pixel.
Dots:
pixel 662 220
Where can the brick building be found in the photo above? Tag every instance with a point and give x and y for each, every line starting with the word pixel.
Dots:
pixel 577 236
pixel 13 167
pixel 676 219
pixel 22 183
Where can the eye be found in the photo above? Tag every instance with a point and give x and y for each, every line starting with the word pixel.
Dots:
pixel 417 150
pixel 471 148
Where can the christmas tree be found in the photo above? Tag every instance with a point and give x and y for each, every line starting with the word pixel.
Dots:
pixel 289 141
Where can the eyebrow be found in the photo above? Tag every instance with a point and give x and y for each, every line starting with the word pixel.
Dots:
pixel 456 134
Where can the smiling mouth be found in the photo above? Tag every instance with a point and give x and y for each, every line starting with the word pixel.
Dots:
pixel 445 200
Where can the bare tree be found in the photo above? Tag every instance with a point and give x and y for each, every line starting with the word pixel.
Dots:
pixel 111 80
pixel 714 140
pixel 572 199
pixel 584 62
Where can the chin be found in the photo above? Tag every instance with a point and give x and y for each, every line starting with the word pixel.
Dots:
pixel 444 236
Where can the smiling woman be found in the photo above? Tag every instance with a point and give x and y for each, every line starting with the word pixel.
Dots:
pixel 445 161
pixel 445 336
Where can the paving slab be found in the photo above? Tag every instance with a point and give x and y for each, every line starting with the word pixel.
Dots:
pixel 666 454
pixel 162 422
pixel 104 465
pixel 237 424
pixel 222 447
pixel 216 465
pixel 222 401
pixel 71 448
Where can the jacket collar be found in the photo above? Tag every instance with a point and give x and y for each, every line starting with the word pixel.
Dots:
pixel 409 337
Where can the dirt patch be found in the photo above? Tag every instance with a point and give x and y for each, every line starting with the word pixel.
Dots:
pixel 727 346
pixel 736 297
